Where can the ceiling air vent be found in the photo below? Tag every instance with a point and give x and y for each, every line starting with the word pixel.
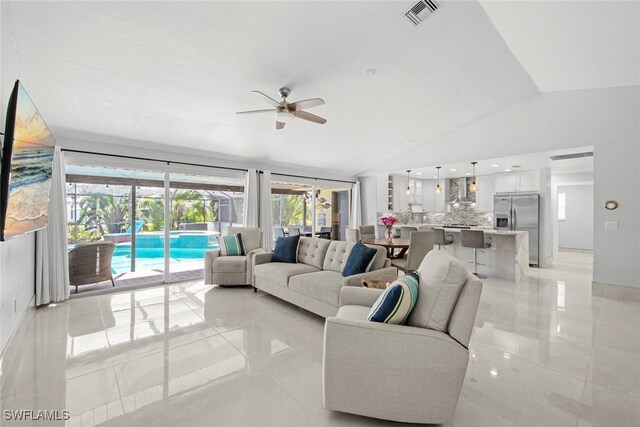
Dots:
pixel 422 10
pixel 572 156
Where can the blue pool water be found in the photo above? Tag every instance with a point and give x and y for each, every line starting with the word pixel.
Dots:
pixel 183 246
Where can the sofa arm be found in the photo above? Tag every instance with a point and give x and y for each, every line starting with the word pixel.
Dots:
pixel 350 295
pixel 355 280
pixel 250 261
pixel 262 258
pixel 422 371
pixel 209 257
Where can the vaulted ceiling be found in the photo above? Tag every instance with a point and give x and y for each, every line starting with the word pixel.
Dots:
pixel 176 72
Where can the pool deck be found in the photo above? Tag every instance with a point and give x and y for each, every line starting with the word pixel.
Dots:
pixel 180 272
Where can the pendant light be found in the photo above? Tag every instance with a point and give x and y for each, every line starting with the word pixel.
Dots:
pixel 438 188
pixel 473 187
pixel 408 187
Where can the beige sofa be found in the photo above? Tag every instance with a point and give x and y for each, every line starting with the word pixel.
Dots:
pixel 233 270
pixel 408 373
pixel 315 281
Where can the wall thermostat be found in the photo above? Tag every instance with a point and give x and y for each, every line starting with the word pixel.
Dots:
pixel 611 204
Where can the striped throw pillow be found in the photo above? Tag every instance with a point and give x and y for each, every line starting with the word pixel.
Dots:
pixel 231 245
pixel 396 303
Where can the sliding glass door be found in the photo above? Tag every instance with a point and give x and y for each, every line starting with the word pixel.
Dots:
pixel 315 207
pixel 202 208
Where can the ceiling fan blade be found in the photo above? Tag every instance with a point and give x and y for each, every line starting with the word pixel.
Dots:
pixel 270 110
pixel 269 99
pixel 279 125
pixel 306 103
pixel 310 117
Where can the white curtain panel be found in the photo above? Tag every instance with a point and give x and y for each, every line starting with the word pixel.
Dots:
pixel 251 206
pixel 266 222
pixel 52 263
pixel 355 219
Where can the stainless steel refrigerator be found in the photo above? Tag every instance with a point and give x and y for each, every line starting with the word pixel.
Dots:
pixel 519 212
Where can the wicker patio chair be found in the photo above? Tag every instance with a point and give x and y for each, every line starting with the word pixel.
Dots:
pixel 90 263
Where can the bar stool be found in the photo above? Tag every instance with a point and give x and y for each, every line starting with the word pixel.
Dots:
pixel 474 239
pixel 441 238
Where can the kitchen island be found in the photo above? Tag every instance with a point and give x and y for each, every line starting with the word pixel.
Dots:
pixel 507 258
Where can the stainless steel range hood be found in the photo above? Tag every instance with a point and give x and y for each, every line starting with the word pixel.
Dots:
pixel 462 197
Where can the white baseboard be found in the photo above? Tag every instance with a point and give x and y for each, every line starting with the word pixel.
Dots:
pixel 608 290
pixel 10 349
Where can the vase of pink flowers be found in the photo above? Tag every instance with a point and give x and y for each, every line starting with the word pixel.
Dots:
pixel 389 220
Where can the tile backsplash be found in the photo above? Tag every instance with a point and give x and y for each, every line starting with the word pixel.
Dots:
pixel 463 214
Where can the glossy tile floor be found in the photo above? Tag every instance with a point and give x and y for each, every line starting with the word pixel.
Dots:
pixel 544 353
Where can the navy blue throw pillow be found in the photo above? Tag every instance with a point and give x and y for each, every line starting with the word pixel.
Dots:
pixel 359 258
pixel 286 250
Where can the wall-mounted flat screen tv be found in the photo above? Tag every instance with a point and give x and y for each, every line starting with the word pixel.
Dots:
pixel 26 167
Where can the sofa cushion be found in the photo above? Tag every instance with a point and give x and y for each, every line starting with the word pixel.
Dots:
pixel 359 259
pixel 380 259
pixel 338 253
pixel 312 251
pixel 353 312
pixel 280 272
pixel 286 249
pixel 323 285
pixel 397 301
pixel 231 245
pixel 441 279
pixel 230 264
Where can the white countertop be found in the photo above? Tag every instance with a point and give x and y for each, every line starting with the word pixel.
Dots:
pixel 486 231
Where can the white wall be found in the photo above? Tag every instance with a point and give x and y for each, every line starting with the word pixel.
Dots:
pixel 17 256
pixel 546 218
pixel 616 252
pixel 576 231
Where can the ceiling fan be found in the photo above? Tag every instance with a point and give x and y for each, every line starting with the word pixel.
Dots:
pixel 285 111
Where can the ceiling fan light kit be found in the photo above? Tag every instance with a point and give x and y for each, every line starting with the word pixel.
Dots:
pixel 285 111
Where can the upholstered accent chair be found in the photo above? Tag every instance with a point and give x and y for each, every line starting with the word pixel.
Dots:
pixel 233 270
pixel 408 373
pixel 367 232
pixel 420 243
pixel 353 235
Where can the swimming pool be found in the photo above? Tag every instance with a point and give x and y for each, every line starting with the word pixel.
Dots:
pixel 183 246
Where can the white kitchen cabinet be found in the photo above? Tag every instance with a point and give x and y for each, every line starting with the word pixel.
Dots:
pixel 510 182
pixel 507 182
pixel 485 192
pixel 529 180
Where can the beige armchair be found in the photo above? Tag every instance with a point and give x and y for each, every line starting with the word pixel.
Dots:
pixel 406 373
pixel 233 270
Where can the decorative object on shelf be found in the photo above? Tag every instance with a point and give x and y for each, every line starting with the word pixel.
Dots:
pixel 408 187
pixel 389 221
pixel 611 204
pixel 322 215
pixel 438 188
pixel 473 187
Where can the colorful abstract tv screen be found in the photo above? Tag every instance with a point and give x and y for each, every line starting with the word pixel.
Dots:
pixel 26 167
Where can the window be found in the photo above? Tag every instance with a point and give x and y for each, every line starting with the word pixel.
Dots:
pixel 562 206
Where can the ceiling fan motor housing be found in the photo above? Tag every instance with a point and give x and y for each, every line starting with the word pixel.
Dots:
pixel 284 92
